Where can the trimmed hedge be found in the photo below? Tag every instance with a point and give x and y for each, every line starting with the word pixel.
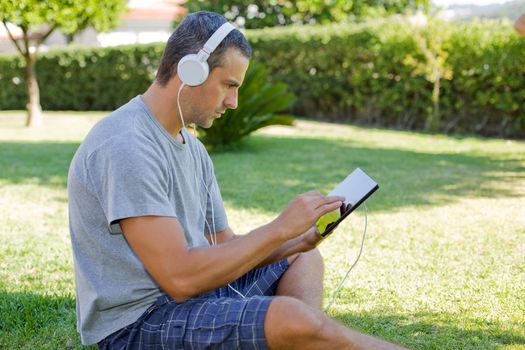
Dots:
pixel 357 73
pixel 361 74
pixel 82 78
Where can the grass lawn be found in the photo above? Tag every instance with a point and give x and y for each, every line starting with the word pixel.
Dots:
pixel 444 260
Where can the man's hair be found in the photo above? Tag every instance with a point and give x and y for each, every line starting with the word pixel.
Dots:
pixel 191 35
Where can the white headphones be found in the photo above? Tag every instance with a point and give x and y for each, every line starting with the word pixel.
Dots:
pixel 193 69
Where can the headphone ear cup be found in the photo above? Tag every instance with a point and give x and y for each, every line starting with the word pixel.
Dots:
pixel 192 71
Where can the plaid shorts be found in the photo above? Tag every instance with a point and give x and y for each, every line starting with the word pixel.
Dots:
pixel 220 319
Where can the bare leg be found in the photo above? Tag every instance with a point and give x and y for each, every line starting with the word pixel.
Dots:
pixel 304 279
pixel 298 323
pixel 291 324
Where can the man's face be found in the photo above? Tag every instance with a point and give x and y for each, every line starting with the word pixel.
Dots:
pixel 204 103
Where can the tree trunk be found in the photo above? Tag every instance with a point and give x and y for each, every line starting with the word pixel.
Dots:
pixel 34 110
pixel 435 101
pixel 434 120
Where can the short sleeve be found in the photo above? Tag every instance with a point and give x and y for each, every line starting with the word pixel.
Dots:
pixel 130 178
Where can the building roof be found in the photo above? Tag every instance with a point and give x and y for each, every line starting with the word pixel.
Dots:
pixel 155 9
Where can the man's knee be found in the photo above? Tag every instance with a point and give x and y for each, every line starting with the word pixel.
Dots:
pixel 315 256
pixel 289 319
pixel 312 257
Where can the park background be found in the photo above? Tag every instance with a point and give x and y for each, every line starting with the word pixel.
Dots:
pixel 430 105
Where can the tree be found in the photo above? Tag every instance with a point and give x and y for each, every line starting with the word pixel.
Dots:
pixel 268 13
pixel 434 66
pixel 38 19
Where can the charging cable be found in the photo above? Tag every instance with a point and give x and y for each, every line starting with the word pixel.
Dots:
pixel 334 294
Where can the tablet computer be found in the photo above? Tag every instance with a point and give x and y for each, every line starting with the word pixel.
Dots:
pixel 356 188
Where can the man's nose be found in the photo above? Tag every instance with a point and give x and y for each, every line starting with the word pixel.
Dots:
pixel 231 99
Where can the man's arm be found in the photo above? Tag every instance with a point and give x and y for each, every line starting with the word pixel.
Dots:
pixel 222 236
pixel 303 243
pixel 300 244
pixel 183 272
pixel 519 25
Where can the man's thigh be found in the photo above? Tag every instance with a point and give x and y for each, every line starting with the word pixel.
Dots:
pixel 200 323
pixel 261 281
pixel 219 320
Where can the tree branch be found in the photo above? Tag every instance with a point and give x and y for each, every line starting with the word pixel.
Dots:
pixel 25 30
pixel 43 38
pixel 11 36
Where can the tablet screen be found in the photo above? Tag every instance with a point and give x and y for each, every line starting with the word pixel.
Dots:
pixel 356 188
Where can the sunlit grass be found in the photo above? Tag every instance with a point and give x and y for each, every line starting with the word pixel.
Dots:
pixel 444 259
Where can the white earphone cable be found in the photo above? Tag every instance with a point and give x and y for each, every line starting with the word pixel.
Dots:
pixel 213 233
pixel 211 230
pixel 178 105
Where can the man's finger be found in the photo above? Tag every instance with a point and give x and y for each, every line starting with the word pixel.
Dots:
pixel 328 207
pixel 330 199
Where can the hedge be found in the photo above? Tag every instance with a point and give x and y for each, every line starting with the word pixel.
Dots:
pixel 360 73
pixel 82 78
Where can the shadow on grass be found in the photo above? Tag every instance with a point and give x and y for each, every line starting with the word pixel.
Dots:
pixel 428 331
pixel 41 163
pixel 32 321
pixel 267 165
pixel 269 171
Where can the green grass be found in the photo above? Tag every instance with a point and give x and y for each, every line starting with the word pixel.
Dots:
pixel 444 259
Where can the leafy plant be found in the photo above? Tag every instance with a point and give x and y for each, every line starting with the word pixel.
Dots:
pixel 259 99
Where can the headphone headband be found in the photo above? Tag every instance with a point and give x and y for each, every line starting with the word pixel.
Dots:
pixel 217 37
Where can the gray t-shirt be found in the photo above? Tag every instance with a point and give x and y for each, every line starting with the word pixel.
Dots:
pixel 129 166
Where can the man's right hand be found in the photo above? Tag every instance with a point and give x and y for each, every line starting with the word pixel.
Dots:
pixel 303 212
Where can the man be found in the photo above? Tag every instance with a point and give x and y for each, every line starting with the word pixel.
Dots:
pixel 156 263
pixel 519 25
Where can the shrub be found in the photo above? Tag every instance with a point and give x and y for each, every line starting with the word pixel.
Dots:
pixel 360 73
pixel 83 78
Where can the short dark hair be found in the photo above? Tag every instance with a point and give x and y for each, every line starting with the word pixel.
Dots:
pixel 191 35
